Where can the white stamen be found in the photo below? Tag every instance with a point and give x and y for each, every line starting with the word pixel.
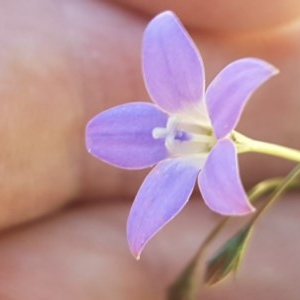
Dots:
pixel 160 133
pixel 200 139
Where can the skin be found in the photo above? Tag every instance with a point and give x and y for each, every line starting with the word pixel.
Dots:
pixel 63 213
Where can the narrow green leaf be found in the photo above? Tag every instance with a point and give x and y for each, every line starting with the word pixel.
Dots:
pixel 227 258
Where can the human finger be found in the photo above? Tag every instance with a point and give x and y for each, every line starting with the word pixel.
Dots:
pixel 82 253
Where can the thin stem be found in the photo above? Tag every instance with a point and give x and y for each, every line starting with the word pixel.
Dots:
pixel 186 287
pixel 269 185
pixel 245 144
pixel 228 258
pixel 281 188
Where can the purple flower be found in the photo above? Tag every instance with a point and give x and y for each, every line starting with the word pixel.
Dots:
pixel 186 130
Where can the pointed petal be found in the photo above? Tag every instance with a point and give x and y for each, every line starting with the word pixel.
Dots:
pixel 122 135
pixel 228 93
pixel 220 183
pixel 173 67
pixel 161 197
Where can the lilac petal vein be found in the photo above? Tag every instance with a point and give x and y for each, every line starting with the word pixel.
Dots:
pixel 229 92
pixel 220 184
pixel 122 135
pixel 173 67
pixel 161 197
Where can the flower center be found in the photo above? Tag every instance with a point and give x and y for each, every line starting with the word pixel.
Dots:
pixel 185 136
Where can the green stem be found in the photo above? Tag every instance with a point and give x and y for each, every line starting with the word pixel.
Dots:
pixel 245 144
pixel 277 193
pixel 228 257
pixel 268 186
pixel 186 285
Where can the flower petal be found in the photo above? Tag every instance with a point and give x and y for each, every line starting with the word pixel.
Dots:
pixel 173 67
pixel 161 197
pixel 220 183
pixel 122 135
pixel 228 93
